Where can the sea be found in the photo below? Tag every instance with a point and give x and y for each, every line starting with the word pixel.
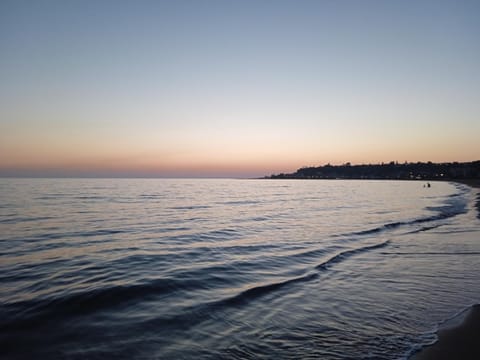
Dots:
pixel 233 269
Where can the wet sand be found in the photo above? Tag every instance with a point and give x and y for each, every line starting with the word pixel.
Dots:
pixel 460 343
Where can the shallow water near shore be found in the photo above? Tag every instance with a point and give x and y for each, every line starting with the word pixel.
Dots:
pixel 225 269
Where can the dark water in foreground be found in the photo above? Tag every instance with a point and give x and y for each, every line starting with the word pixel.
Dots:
pixel 227 269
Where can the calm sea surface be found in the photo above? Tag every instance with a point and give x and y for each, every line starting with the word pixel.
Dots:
pixel 232 269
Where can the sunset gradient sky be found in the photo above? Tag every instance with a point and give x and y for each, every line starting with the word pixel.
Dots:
pixel 235 88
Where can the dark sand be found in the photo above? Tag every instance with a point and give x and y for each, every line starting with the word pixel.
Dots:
pixel 459 343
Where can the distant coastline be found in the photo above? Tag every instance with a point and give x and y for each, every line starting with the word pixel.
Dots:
pixel 467 172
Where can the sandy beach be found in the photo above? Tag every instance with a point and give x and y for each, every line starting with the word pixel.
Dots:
pixel 461 342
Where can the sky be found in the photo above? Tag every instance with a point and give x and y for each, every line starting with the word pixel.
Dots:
pixel 204 88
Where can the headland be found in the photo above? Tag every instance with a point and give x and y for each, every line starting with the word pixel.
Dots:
pixel 468 172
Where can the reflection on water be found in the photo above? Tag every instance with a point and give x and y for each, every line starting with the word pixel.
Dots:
pixel 231 268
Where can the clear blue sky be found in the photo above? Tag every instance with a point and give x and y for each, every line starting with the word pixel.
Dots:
pixel 235 88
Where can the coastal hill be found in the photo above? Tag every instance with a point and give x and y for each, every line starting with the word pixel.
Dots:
pixel 392 170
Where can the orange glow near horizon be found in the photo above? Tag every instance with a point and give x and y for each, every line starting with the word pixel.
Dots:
pixel 245 163
pixel 224 152
pixel 170 96
pixel 238 153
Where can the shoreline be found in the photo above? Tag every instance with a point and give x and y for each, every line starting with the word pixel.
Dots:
pixel 474 183
pixel 461 342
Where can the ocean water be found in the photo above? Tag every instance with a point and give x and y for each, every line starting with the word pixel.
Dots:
pixel 232 269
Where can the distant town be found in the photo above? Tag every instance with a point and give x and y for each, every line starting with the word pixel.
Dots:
pixel 391 170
